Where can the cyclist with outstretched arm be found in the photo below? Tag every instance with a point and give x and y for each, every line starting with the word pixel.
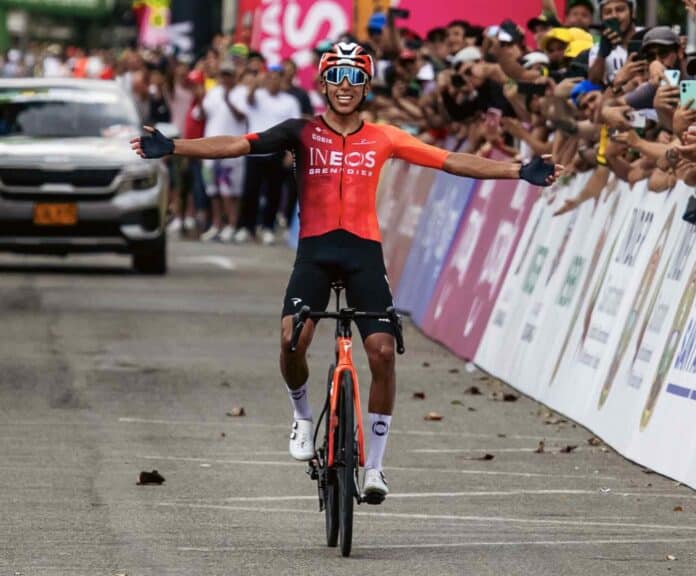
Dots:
pixel 338 159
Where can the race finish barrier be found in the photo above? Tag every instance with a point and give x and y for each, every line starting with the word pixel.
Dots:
pixel 591 312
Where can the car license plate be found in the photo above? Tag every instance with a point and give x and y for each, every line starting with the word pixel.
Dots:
pixel 55 214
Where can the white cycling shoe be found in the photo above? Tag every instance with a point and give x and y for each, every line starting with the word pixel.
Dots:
pixel 302 440
pixel 375 488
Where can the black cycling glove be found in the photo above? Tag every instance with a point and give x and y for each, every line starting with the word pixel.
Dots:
pixel 156 145
pixel 537 171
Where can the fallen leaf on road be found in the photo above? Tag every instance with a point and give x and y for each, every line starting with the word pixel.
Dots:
pixel 454 371
pixel 456 402
pixel 594 441
pixel 237 412
pixel 502 435
pixel 510 397
pixel 553 421
pixel 473 391
pixel 426 364
pixel 433 416
pixel 470 409
pixel 540 447
pixel 418 396
pixel 223 435
pixel 670 557
pixel 225 384
pixel 567 449
pixel 678 509
pixel 153 477
pixel 485 457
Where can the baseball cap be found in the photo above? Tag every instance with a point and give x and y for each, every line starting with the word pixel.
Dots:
pixel 377 21
pixel 239 49
pixel 662 35
pixel 560 34
pixel 534 58
pixel 468 54
pixel 542 20
pixel 584 87
pixel 577 46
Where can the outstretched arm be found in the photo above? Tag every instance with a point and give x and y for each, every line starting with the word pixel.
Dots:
pixel 156 145
pixel 539 171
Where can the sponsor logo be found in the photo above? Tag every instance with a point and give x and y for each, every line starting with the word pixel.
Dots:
pixel 295 301
pixel 353 163
pixel 364 142
pixel 322 139
pixel 347 346
pixel 380 428
pixel 298 394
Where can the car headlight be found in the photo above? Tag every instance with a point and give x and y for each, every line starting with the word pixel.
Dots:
pixel 139 179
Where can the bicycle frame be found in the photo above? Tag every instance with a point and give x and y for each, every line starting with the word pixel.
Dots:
pixel 344 361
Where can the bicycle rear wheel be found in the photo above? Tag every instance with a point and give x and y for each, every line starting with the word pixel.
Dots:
pixel 346 469
pixel 330 485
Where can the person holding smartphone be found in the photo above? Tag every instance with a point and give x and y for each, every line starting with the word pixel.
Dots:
pixel 618 27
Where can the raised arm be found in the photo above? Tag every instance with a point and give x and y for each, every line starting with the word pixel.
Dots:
pixel 156 145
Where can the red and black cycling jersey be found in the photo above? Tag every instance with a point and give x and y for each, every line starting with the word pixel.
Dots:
pixel 338 175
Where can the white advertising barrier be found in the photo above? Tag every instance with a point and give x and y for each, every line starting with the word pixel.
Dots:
pixel 524 277
pixel 597 319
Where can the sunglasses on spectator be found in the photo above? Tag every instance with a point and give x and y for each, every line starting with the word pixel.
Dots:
pixel 336 75
pixel 655 53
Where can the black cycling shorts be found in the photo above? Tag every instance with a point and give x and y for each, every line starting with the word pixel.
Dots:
pixel 340 255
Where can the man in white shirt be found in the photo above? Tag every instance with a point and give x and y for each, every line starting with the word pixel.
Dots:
pixel 267 105
pixel 224 108
pixel 610 55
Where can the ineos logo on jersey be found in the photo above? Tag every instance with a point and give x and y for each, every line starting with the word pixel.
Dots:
pixel 336 162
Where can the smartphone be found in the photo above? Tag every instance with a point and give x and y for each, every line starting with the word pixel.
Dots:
pixel 637 120
pixel 673 77
pixel 612 24
pixel 687 92
pixel 531 89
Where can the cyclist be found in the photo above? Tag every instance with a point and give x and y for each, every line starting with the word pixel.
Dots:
pixel 338 158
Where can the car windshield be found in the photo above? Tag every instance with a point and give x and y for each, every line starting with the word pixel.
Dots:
pixel 64 112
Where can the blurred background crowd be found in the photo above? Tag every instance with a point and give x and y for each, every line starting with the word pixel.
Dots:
pixel 589 84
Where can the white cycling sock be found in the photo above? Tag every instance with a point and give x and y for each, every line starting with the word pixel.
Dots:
pixel 299 398
pixel 379 425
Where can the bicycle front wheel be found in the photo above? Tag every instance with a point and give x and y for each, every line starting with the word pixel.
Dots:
pixel 346 464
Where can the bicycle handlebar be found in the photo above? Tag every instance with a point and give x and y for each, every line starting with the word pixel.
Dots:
pixel 347 314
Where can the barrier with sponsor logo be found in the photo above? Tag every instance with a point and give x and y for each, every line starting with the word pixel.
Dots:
pixel 591 312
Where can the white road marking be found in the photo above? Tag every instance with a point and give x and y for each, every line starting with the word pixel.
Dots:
pixel 220 261
pixel 421 545
pixel 469 494
pixel 469 450
pixel 412 516
pixel 232 462
pixel 425 433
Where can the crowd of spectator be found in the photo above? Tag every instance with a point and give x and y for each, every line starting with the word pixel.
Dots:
pixel 590 87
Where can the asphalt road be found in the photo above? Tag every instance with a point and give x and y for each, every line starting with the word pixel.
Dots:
pixel 104 374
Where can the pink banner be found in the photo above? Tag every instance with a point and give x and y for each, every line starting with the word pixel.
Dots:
pixel 427 15
pixel 479 259
pixel 292 28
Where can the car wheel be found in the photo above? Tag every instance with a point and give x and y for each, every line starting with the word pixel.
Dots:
pixel 151 257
